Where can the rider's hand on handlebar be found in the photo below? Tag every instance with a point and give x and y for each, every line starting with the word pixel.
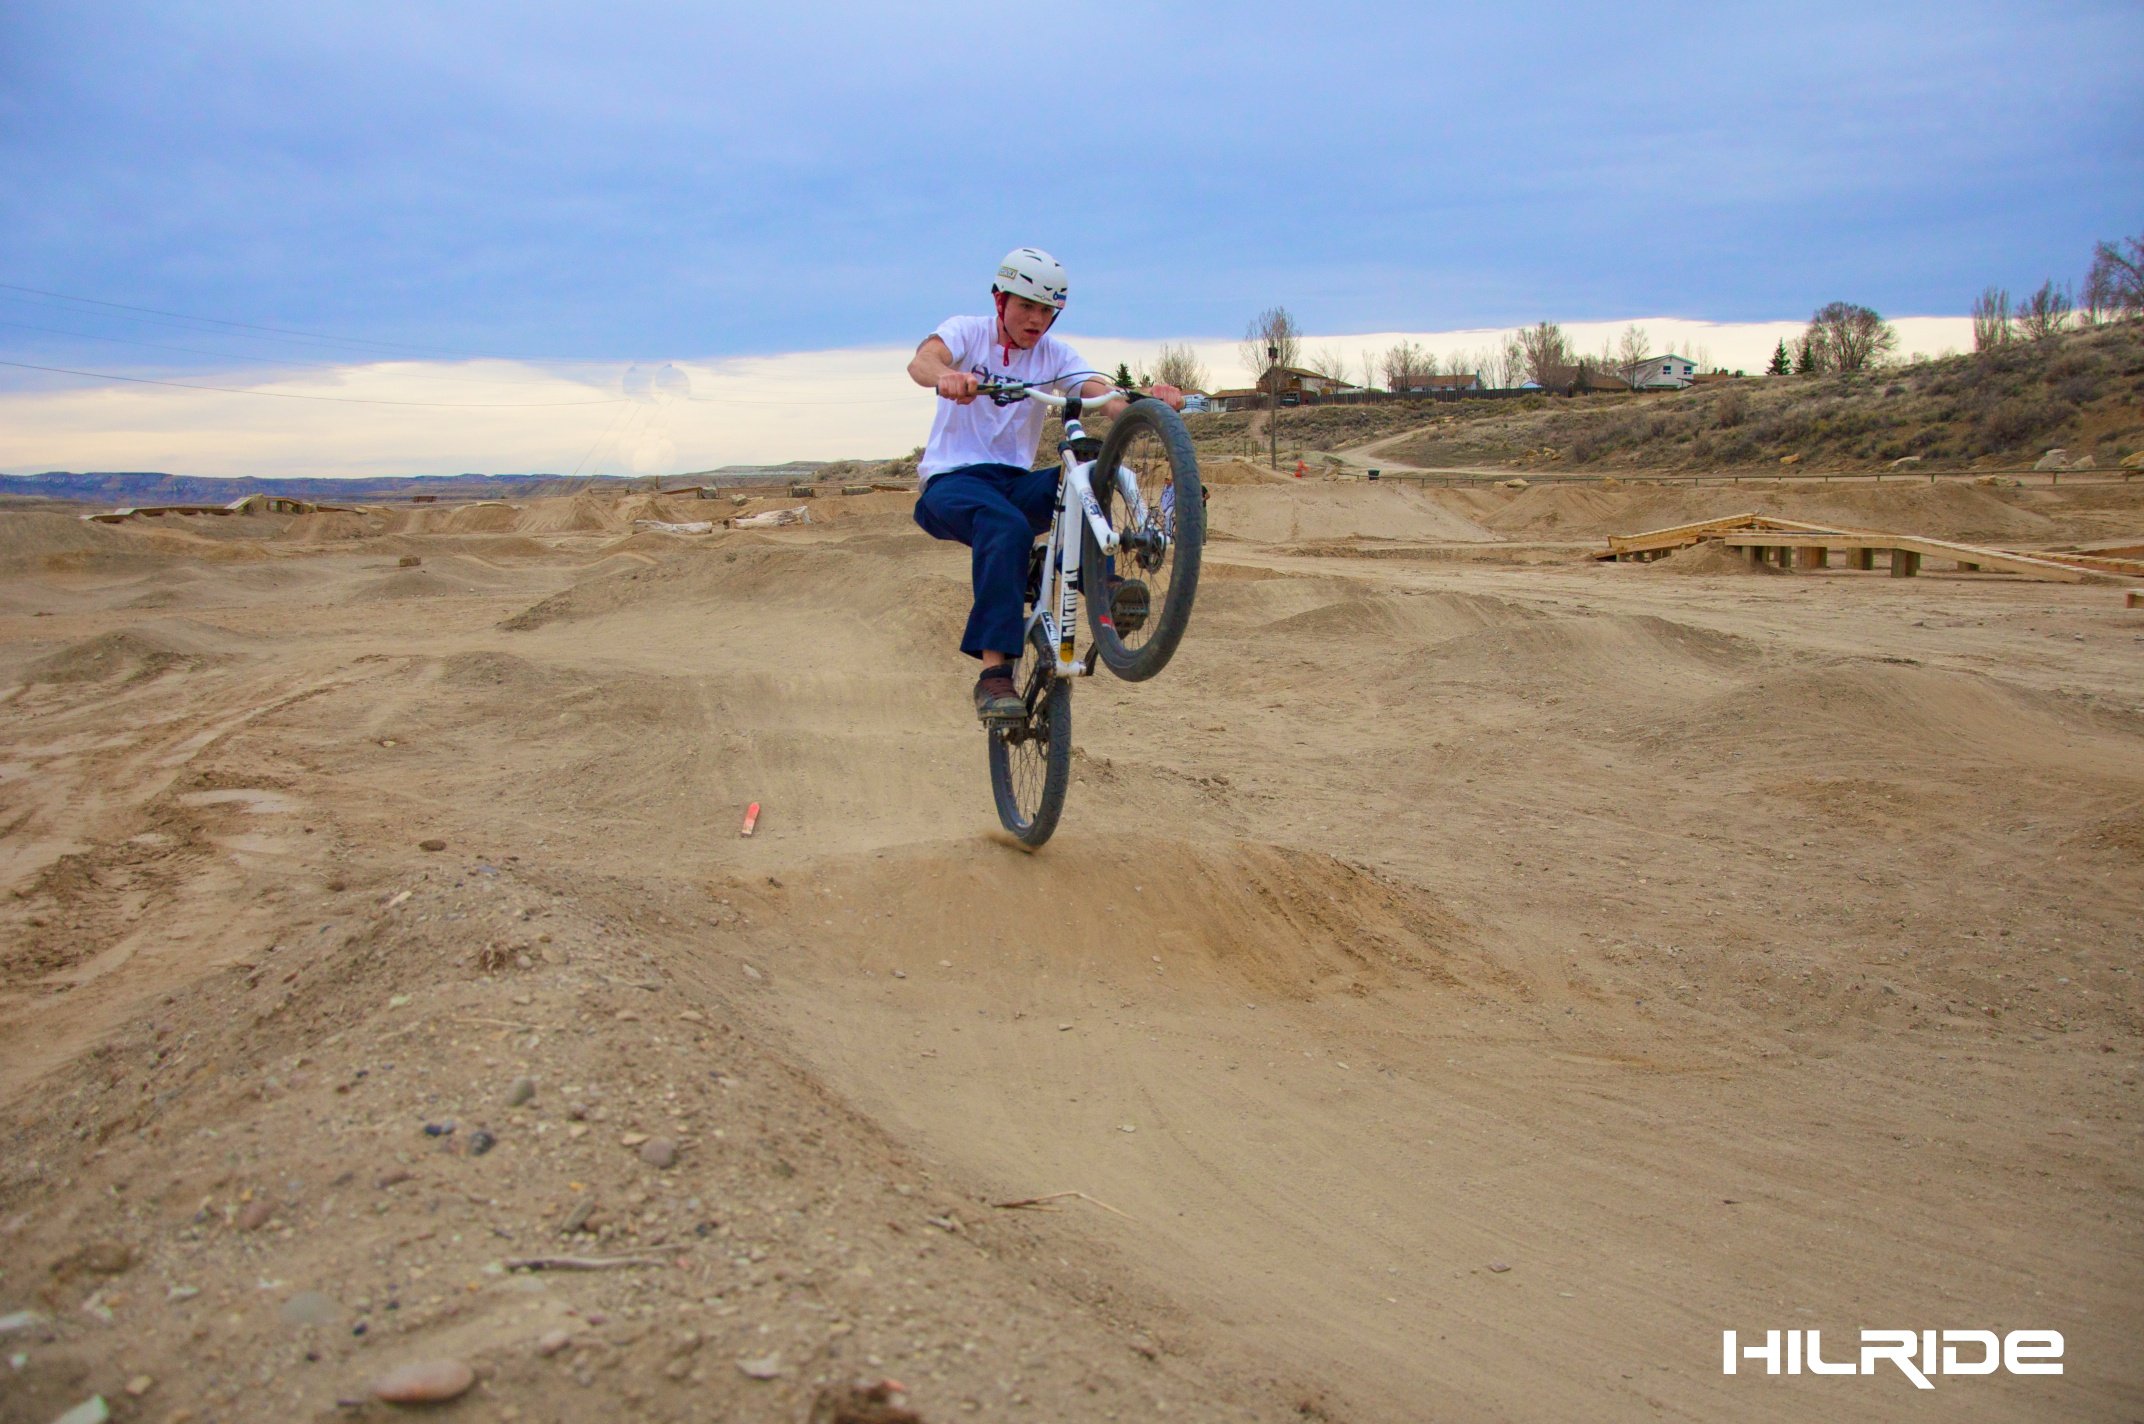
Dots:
pixel 958 386
pixel 1163 391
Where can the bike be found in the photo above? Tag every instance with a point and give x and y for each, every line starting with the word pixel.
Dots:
pixel 1130 523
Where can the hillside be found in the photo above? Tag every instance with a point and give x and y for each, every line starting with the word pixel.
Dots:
pixel 1999 409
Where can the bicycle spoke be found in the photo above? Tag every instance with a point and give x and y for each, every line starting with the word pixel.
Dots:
pixel 1141 563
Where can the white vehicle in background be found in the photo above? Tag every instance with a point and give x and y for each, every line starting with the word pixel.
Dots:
pixel 1196 404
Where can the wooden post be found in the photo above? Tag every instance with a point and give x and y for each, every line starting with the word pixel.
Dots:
pixel 1811 558
pixel 1966 568
pixel 1861 558
pixel 1904 563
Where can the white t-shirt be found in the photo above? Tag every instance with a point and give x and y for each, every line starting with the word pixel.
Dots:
pixel 983 432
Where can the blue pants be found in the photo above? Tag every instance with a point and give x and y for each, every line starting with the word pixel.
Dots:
pixel 996 510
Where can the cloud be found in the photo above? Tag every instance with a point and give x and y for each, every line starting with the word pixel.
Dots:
pixel 660 418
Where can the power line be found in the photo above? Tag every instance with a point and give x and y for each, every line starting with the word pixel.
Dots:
pixel 292 395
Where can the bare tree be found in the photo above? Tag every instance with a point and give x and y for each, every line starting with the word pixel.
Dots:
pixel 1330 361
pixel 1632 354
pixel 1404 363
pixel 1543 348
pixel 1368 379
pixel 1511 362
pixel 2115 285
pixel 1991 319
pixel 1852 338
pixel 1271 330
pixel 1180 366
pixel 2045 313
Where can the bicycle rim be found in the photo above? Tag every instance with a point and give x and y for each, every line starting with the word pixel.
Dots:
pixel 1031 761
pixel 1141 603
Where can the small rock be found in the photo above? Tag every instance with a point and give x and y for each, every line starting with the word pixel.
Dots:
pixel 181 1293
pixel 393 1177
pixel 1064 1028
pixel 764 1367
pixel 1500 1266
pixel 439 1129
pixel 751 973
pixel 692 1016
pixel 900 973
pixel 522 1090
pixel 481 1142
pixel 19 1321
pixel 140 1385
pixel 864 1402
pixel 427 1382
pixel 104 1258
pixel 659 1152
pixel 255 1215
pixel 552 1341
pixel 92 1410
pixel 1126 1127
pixel 632 1139
pixel 435 843
pixel 578 1217
pixel 310 1308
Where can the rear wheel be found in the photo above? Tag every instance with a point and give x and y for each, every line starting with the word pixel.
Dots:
pixel 1031 760
pixel 1139 601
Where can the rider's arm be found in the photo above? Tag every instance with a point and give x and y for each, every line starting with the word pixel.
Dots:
pixel 932 367
pixel 1159 390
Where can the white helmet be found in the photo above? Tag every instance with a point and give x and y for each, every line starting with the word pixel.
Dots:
pixel 1032 273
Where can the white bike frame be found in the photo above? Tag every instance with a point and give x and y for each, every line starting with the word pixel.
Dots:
pixel 1057 601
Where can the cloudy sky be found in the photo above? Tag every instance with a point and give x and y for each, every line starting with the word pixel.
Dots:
pixel 489 213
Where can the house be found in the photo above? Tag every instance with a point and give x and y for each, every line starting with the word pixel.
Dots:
pixel 1241 398
pixel 1294 380
pixel 1665 373
pixel 1436 385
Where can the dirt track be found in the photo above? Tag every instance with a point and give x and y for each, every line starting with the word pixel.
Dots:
pixel 1466 982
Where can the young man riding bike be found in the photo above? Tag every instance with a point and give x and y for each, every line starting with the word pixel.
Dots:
pixel 977 488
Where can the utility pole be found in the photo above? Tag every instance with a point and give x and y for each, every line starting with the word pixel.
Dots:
pixel 1273 407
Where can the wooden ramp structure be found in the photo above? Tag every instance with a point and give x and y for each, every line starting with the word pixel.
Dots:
pixel 249 504
pixel 1791 543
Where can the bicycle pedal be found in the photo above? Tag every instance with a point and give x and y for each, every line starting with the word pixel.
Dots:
pixel 1129 605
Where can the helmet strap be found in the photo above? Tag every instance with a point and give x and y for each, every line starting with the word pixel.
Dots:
pixel 1004 335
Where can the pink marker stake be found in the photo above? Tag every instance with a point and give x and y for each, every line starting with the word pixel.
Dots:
pixel 751 818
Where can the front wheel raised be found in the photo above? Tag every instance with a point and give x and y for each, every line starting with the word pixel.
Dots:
pixel 1140 604
pixel 1031 760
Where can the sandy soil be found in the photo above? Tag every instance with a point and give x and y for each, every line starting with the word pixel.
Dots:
pixel 1466 982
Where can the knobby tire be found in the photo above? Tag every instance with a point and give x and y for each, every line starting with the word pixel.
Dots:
pixel 1152 437
pixel 1031 762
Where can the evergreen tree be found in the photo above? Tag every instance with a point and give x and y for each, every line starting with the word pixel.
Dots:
pixel 1808 356
pixel 1781 364
pixel 1123 377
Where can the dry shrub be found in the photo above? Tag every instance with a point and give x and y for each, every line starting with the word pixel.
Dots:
pixel 1728 411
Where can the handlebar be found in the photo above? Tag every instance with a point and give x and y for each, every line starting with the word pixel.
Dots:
pixel 1007 392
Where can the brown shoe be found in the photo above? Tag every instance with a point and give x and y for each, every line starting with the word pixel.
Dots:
pixel 996 698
